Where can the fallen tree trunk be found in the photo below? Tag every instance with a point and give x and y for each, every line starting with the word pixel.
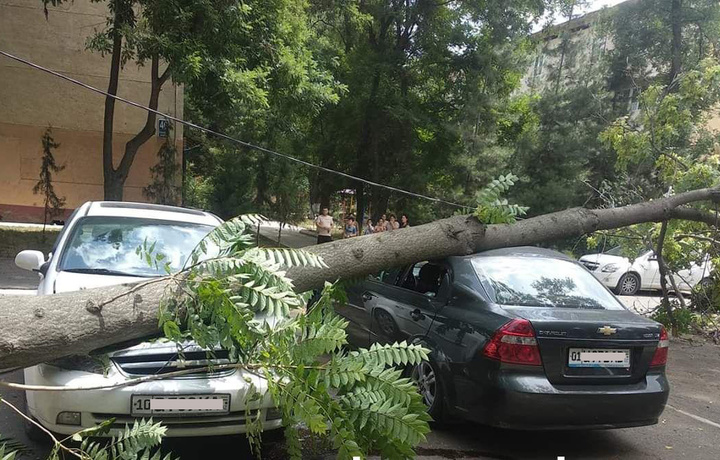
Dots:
pixel 39 329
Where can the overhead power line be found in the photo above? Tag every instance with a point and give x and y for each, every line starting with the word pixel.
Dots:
pixel 225 136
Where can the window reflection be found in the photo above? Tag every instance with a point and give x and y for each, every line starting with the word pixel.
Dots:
pixel 541 282
pixel 111 242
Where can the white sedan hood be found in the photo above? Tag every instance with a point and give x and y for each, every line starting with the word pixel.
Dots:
pixel 604 259
pixel 69 282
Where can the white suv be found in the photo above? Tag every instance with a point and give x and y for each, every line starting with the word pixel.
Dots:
pixel 97 248
pixel 627 277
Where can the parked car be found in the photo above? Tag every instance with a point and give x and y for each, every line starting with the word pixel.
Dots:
pixel 520 338
pixel 627 277
pixel 97 248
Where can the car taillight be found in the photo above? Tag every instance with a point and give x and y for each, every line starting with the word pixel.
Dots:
pixel 661 353
pixel 514 343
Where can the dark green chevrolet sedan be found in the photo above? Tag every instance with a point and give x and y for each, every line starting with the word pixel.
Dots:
pixel 520 338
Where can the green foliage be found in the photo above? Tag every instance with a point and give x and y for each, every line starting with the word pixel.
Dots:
pixel 643 39
pixel 684 318
pixel 666 146
pixel 6 454
pixel 492 208
pixel 164 187
pixel 237 296
pixel 9 449
pixel 53 203
pixel 139 441
pixel 665 133
pixel 706 296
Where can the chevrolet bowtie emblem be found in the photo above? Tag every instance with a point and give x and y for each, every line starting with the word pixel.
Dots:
pixel 607 330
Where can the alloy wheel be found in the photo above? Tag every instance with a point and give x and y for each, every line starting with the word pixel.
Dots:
pixel 386 323
pixel 424 377
pixel 629 285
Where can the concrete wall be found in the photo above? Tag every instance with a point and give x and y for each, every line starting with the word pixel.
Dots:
pixel 31 100
pixel 585 51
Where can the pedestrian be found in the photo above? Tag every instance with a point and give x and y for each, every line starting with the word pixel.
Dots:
pixel 380 227
pixel 392 223
pixel 368 227
pixel 351 229
pixel 404 221
pixel 324 225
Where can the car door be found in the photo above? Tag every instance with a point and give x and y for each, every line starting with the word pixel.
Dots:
pixel 362 298
pixel 400 311
pixel 687 278
pixel 647 267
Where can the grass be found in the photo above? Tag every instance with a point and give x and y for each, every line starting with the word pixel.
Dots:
pixel 16 239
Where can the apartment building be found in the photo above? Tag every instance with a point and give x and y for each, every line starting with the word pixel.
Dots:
pixel 31 101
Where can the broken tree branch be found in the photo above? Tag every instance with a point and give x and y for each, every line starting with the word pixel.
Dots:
pixel 44 328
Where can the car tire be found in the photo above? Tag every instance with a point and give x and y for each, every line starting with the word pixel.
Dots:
pixel 386 324
pixel 32 431
pixel 629 284
pixel 427 379
pixel 706 283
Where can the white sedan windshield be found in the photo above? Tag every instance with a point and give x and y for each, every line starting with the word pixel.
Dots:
pixel 107 245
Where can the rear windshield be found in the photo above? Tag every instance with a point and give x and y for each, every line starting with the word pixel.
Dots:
pixel 542 282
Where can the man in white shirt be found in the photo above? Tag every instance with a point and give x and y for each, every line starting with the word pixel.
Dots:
pixel 324 224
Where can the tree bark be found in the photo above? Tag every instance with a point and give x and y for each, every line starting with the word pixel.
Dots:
pixel 676 26
pixel 43 328
pixel 109 177
pixel 663 279
pixel 148 131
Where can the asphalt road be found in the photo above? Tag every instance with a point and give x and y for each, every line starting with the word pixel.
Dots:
pixel 689 428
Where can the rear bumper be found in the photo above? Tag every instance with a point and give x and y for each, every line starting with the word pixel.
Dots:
pixel 531 402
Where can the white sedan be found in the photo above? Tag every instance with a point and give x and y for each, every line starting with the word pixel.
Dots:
pixel 97 248
pixel 627 277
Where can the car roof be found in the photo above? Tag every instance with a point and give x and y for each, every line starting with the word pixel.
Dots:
pixel 149 211
pixel 520 251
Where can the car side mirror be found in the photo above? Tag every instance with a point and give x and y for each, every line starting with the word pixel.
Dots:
pixel 30 260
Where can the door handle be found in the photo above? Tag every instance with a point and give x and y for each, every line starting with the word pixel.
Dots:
pixel 366 296
pixel 417 315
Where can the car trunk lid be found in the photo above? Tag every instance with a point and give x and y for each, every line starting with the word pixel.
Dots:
pixel 592 332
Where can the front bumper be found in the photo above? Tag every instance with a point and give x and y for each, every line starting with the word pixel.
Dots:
pixel 96 406
pixel 610 280
pixel 531 402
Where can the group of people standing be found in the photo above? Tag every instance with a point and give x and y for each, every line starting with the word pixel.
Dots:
pixel 385 224
pixel 324 225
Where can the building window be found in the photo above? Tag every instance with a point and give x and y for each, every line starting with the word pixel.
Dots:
pixel 537 69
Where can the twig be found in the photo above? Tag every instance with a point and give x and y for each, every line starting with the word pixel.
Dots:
pixel 29 419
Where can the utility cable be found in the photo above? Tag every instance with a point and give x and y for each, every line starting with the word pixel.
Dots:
pixel 225 136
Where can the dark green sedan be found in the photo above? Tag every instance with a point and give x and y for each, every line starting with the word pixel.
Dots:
pixel 520 338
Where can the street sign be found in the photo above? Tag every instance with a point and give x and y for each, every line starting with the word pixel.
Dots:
pixel 163 127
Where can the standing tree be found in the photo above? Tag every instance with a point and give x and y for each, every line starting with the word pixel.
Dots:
pixel 53 203
pixel 165 188
pixel 231 50
pixel 419 75
pixel 668 55
pixel 288 202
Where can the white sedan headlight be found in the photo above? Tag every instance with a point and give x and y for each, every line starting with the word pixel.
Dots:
pixel 610 268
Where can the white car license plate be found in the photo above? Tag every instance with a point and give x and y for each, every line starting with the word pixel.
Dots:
pixel 598 357
pixel 213 404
